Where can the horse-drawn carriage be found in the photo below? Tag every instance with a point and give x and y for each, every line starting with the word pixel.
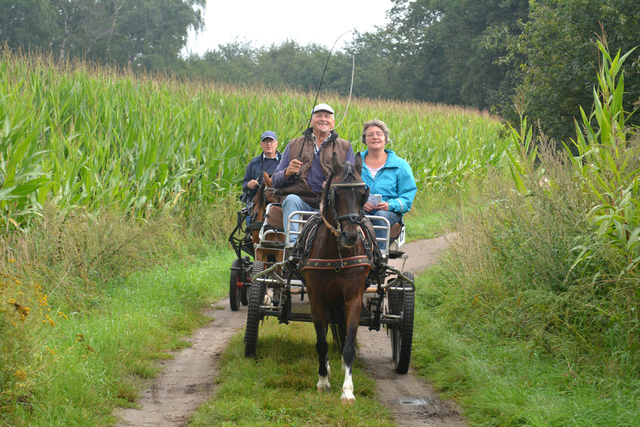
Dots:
pixel 335 275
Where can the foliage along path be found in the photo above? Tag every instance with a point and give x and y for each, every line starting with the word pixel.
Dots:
pixel 188 379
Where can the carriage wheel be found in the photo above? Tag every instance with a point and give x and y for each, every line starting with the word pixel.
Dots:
pixel 234 291
pixel 244 295
pixel 254 315
pixel 402 303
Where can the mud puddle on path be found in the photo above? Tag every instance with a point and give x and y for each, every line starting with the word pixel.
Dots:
pixel 188 380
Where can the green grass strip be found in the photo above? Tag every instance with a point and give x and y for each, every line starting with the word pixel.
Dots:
pixel 95 360
pixel 502 381
pixel 278 386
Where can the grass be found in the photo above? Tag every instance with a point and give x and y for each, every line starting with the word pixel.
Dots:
pixel 278 386
pixel 502 381
pixel 94 360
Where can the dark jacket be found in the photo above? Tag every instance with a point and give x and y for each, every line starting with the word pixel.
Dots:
pixel 298 184
pixel 254 170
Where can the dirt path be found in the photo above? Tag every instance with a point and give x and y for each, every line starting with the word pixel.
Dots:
pixel 411 399
pixel 187 380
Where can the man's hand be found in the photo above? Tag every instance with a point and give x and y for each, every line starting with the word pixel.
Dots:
pixel 294 167
pixel 252 184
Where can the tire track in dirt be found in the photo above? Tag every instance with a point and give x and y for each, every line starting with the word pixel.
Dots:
pixel 187 380
pixel 411 399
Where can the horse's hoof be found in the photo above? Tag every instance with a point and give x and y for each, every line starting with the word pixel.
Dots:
pixel 347 400
pixel 324 389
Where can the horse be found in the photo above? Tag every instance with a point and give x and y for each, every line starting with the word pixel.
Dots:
pixel 264 196
pixel 339 260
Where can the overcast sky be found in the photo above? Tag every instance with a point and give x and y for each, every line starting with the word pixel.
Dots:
pixel 266 22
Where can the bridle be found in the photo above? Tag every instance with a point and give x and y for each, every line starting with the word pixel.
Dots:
pixel 353 218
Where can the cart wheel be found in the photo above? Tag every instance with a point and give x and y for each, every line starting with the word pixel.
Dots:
pixel 254 314
pixel 234 290
pixel 402 303
pixel 244 298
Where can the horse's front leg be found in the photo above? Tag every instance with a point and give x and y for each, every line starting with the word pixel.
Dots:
pixel 322 347
pixel 349 350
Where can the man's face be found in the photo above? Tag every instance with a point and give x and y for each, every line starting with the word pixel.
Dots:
pixel 269 146
pixel 323 121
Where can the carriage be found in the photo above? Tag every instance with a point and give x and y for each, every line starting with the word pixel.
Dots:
pixel 291 281
pixel 388 298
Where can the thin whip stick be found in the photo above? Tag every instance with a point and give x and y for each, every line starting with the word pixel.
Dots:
pixel 353 73
pixel 320 86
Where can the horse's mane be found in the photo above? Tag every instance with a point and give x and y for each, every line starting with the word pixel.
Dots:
pixel 258 199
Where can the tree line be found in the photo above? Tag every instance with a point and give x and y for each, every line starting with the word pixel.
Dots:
pixel 513 57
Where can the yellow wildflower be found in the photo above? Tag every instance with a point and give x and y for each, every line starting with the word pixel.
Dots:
pixel 21 375
pixel 62 314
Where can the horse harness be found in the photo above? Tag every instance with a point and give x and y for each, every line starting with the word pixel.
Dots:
pixel 303 245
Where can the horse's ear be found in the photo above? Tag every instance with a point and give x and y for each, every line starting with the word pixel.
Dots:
pixel 358 163
pixel 266 179
pixel 337 166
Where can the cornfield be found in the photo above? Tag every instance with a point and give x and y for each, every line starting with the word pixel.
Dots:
pixel 89 137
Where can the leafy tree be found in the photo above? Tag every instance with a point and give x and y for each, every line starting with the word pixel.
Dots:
pixel 27 24
pixel 561 59
pixel 149 33
pixel 442 43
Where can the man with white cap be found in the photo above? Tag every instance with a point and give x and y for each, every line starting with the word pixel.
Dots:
pixel 307 162
pixel 265 162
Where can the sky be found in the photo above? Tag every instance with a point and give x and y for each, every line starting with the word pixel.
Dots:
pixel 266 22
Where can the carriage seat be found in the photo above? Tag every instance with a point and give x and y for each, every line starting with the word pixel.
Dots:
pixel 272 233
pixel 274 217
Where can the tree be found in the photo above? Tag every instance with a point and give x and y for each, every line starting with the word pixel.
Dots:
pixel 27 24
pixel 558 72
pixel 148 33
pixel 443 43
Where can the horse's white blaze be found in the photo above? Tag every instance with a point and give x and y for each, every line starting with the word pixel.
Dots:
pixel 347 388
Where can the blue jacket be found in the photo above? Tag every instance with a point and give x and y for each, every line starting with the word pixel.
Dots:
pixel 394 181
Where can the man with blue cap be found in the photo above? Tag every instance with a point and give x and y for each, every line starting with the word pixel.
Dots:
pixel 307 162
pixel 265 162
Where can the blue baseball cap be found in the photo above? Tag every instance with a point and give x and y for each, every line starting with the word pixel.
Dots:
pixel 268 134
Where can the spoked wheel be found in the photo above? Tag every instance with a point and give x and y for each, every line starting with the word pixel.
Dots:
pixel 244 295
pixel 402 303
pixel 234 291
pixel 254 314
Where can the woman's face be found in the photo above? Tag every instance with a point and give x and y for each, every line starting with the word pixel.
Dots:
pixel 374 138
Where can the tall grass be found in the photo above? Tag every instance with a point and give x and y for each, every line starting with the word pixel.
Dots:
pixel 537 300
pixel 88 137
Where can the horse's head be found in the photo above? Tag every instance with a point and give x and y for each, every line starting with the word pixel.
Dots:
pixel 265 195
pixel 344 197
pixel 270 194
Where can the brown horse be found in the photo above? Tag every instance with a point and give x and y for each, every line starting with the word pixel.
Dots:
pixel 264 196
pixel 337 266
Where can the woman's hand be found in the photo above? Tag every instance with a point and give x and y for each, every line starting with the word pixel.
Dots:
pixel 382 206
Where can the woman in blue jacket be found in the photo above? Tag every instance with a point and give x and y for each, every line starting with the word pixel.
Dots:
pixel 388 176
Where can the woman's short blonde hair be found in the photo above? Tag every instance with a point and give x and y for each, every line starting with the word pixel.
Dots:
pixel 375 122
